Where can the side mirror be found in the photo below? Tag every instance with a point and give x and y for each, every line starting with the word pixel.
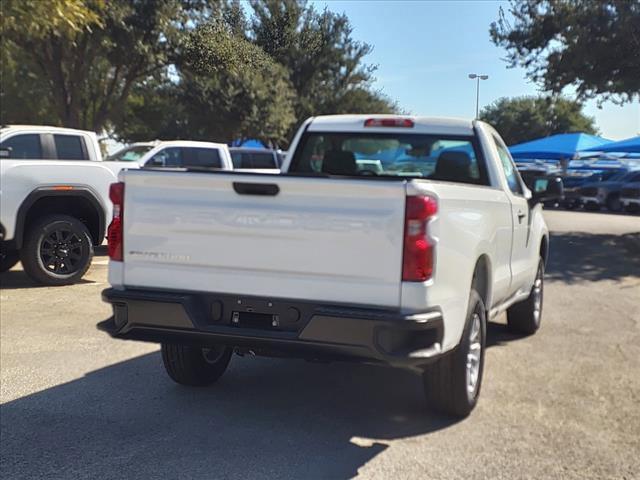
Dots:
pixel 5 152
pixel 546 188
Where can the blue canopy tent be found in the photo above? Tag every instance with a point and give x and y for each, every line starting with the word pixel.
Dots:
pixel 249 143
pixel 630 145
pixel 556 147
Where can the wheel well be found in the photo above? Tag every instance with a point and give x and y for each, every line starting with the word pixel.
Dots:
pixel 481 279
pixel 79 207
pixel 544 249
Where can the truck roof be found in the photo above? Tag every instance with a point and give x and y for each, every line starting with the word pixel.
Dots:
pixel 355 123
pixel 43 128
pixel 187 143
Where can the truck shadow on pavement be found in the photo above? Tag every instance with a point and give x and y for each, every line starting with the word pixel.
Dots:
pixel 577 257
pixel 17 279
pixel 266 418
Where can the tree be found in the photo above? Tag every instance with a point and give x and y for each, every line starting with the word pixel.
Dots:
pixel 593 45
pixel 227 88
pixel 247 92
pixel 326 65
pixel 522 119
pixel 88 57
pixel 181 68
pixel 237 79
pixel 23 87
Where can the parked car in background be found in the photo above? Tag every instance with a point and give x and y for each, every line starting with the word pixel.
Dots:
pixel 630 197
pixel 600 194
pixel 576 178
pixel 176 154
pixel 54 201
pixel 255 158
pixel 336 259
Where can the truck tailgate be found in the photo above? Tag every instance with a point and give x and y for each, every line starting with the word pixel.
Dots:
pixel 318 239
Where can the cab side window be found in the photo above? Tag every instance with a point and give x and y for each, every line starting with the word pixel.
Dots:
pixel 509 168
pixel 70 147
pixel 201 157
pixel 25 146
pixel 184 157
pixel 167 157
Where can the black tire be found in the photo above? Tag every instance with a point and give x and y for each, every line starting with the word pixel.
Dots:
pixel 524 317
pixel 195 366
pixel 446 383
pixel 613 203
pixel 591 207
pixel 57 250
pixel 8 258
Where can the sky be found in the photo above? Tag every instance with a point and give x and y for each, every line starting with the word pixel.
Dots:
pixel 425 50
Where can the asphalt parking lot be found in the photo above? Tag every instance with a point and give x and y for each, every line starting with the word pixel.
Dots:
pixel 560 404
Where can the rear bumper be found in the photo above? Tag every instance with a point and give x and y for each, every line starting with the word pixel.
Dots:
pixel 276 326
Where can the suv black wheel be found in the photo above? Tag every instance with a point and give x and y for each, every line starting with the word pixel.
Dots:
pixel 57 251
pixel 452 383
pixel 195 366
pixel 524 317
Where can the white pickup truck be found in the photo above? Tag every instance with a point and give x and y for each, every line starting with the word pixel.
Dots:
pixel 54 195
pixel 386 239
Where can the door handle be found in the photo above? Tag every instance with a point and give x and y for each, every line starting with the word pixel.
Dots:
pixel 521 216
pixel 268 189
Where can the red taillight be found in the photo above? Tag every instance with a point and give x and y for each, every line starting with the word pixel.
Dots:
pixel 114 232
pixel 389 122
pixel 417 261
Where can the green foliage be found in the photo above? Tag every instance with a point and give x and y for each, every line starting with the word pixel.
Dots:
pixel 153 112
pixel 40 19
pixel 250 94
pixel 87 66
pixel 522 119
pixel 592 45
pixel 325 63
pixel 196 69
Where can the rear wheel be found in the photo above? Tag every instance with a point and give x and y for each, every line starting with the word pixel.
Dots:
pixel 452 383
pixel 57 251
pixel 524 317
pixel 195 366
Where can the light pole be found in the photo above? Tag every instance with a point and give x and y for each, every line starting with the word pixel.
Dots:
pixel 477 77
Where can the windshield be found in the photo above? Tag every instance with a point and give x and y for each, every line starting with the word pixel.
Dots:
pixel 130 154
pixel 383 154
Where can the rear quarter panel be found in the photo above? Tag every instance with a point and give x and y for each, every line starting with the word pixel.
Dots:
pixel 472 221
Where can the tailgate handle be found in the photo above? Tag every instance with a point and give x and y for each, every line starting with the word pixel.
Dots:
pixel 243 188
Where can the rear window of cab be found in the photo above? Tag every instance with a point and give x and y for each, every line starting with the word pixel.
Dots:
pixel 436 157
